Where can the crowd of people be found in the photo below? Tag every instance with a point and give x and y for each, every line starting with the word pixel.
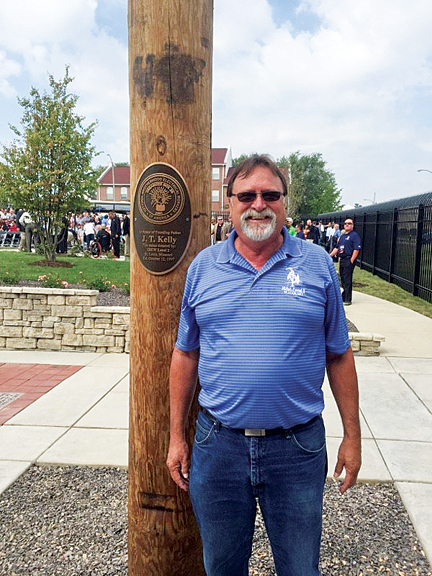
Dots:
pixel 342 245
pixel 82 229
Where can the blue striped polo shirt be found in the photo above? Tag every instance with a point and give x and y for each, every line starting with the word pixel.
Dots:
pixel 262 335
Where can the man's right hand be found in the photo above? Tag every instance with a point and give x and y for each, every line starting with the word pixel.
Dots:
pixel 178 463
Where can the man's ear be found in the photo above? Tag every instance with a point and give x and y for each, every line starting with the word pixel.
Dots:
pixel 230 206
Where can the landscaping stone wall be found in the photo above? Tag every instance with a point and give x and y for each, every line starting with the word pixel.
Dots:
pixel 63 319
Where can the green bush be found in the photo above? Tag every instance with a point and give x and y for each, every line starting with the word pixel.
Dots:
pixel 50 280
pixel 100 283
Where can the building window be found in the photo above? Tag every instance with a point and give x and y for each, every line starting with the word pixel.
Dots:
pixel 110 193
pixel 123 192
pixel 215 195
pixel 215 173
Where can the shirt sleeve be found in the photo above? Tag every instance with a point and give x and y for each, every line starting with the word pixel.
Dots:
pixel 336 331
pixel 357 242
pixel 188 330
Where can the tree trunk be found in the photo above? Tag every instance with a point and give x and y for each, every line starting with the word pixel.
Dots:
pixel 170 98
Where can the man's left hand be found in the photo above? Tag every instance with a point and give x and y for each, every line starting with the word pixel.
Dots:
pixel 349 457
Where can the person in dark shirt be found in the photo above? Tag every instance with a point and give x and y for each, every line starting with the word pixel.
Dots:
pixel 347 249
pixel 115 233
pixel 126 234
pixel 314 233
pixel 104 238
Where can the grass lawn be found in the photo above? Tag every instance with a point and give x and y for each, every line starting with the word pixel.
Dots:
pixel 21 265
pixel 367 283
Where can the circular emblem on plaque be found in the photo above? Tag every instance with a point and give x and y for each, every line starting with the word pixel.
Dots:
pixel 160 198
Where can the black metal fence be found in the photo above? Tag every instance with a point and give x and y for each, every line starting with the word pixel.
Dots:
pixel 396 241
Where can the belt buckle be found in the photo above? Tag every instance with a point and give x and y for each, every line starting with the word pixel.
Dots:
pixel 254 432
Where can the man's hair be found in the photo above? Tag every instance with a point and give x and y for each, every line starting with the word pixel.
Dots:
pixel 247 166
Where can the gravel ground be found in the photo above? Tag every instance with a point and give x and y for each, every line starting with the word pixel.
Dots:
pixel 71 521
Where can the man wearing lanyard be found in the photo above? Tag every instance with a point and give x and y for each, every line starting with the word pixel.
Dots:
pixel 347 249
pixel 260 433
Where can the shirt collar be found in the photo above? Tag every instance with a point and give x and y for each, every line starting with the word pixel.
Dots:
pixel 291 246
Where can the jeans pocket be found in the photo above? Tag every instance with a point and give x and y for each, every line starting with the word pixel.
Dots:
pixel 311 436
pixel 203 432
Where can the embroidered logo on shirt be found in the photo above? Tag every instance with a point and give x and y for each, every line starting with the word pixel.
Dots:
pixel 293 283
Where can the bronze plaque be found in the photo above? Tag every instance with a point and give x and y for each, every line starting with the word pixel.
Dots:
pixel 162 218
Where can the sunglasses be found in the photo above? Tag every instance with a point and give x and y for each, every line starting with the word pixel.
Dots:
pixel 267 196
pixel 348 224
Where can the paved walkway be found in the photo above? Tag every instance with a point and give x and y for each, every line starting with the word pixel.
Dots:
pixel 83 420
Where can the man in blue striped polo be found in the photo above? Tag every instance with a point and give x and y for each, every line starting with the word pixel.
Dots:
pixel 260 434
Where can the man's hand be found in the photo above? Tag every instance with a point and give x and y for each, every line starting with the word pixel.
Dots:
pixel 178 463
pixel 349 457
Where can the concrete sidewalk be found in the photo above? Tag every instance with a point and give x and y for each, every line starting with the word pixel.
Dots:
pixel 84 419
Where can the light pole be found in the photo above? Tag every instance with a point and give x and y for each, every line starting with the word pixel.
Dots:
pixel 113 176
pixel 424 170
pixel 371 201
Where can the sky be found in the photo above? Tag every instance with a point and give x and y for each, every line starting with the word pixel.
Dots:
pixel 350 80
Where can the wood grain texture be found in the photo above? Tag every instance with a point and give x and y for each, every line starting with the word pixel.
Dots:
pixel 170 61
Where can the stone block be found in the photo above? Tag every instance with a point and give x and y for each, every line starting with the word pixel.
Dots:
pixel 118 332
pixel 121 319
pixel 88 349
pixel 12 331
pixel 16 323
pixel 378 338
pixel 79 323
pixel 2 313
pixel 47 324
pixel 33 316
pixel 89 340
pixel 81 300
pixel 42 308
pixel 355 345
pixel 21 304
pixel 92 331
pixel 120 341
pixel 67 311
pixel 115 349
pixel 49 344
pixel 37 325
pixel 38 332
pixel 89 323
pixel 127 336
pixel 102 323
pixel 362 335
pixel 127 347
pixel 101 349
pixel 72 340
pixel 5 303
pixel 57 300
pixel 2 342
pixel 12 314
pixel 92 314
pixel 64 328
pixel 69 348
pixel 368 351
pixel 21 343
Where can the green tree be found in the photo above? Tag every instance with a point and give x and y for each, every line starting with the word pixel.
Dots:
pixel 313 188
pixel 47 169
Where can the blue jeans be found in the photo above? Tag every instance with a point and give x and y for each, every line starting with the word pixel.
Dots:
pixel 285 473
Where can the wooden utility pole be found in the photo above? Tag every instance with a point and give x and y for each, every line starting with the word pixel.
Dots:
pixel 170 61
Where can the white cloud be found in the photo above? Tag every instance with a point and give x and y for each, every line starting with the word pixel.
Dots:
pixel 40 37
pixel 348 90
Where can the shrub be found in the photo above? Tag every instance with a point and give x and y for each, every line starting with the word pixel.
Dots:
pixel 52 281
pixel 102 284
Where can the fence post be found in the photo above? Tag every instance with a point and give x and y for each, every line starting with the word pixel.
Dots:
pixel 394 232
pixel 375 242
pixel 418 249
